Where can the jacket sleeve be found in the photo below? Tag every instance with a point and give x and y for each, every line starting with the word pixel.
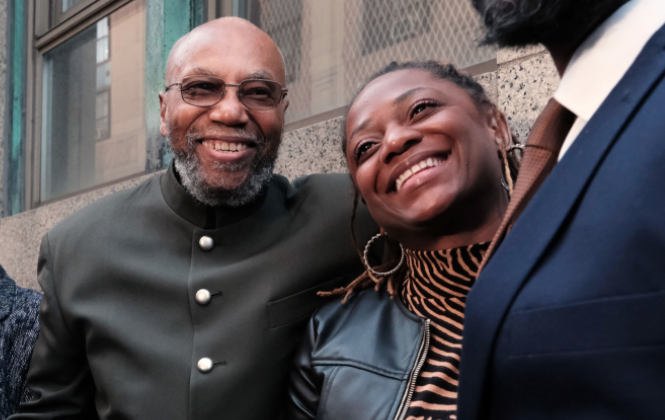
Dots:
pixel 59 375
pixel 305 385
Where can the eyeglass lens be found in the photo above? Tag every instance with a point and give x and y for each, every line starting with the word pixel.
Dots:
pixel 253 93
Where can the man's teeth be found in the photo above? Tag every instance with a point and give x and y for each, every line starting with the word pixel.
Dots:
pixel 427 163
pixel 225 146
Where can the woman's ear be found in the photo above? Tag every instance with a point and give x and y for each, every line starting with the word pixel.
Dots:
pixel 499 125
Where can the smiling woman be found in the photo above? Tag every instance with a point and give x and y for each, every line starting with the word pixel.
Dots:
pixel 429 155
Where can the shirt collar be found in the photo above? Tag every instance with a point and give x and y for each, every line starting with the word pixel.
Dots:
pixel 201 215
pixel 7 294
pixel 606 55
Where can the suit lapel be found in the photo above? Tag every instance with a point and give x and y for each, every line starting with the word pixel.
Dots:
pixel 516 258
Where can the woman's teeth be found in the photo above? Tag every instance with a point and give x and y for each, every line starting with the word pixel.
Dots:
pixel 224 146
pixel 427 163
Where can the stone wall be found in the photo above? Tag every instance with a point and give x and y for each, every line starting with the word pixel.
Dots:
pixel 522 85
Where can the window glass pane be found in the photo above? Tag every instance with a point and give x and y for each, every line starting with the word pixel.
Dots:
pixel 68 4
pixel 332 46
pixel 93 126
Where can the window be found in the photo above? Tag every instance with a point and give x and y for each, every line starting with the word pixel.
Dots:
pixel 389 22
pixel 67 4
pixel 103 102
pixel 332 46
pixel 93 128
pixel 98 70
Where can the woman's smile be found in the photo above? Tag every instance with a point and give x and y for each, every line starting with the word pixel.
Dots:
pixel 416 169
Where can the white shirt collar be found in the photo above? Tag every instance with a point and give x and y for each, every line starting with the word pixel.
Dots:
pixel 604 57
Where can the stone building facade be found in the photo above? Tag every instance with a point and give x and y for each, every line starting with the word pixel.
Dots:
pixel 520 81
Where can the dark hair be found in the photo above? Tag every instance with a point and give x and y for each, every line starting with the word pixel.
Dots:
pixel 510 168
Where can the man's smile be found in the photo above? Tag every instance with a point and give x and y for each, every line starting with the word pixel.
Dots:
pixel 228 149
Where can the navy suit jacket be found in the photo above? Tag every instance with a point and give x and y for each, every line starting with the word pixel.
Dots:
pixel 567 321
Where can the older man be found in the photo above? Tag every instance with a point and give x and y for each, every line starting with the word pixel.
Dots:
pixel 567 320
pixel 184 298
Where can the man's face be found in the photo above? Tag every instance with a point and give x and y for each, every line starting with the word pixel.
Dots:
pixel 224 153
pixel 525 22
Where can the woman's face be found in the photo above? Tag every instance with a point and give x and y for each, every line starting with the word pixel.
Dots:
pixel 423 155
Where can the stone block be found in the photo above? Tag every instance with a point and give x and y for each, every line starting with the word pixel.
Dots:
pixel 312 149
pixel 524 90
pixel 489 82
pixel 506 55
pixel 22 233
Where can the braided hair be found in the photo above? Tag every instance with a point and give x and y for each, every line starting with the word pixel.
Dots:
pixel 510 168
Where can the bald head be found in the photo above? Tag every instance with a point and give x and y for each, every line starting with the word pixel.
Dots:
pixel 225 35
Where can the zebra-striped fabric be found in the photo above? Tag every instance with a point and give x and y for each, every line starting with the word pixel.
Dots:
pixel 435 287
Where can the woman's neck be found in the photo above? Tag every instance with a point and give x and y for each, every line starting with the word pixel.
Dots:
pixel 456 230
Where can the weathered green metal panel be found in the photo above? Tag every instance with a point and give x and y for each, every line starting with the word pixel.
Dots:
pixel 199 12
pixel 177 22
pixel 167 21
pixel 16 187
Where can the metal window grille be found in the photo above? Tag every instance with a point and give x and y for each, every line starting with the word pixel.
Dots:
pixel 331 47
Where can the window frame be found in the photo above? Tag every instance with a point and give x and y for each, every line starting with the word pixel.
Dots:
pixel 83 15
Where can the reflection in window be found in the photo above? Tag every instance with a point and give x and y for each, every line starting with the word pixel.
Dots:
pixel 93 128
pixel 68 4
pixel 103 81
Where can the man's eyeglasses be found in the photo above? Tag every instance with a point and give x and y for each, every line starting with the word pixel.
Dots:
pixel 256 94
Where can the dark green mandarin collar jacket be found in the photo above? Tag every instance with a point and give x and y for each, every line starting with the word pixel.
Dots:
pixel 122 332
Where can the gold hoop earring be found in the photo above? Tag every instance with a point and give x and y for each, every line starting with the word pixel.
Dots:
pixel 506 171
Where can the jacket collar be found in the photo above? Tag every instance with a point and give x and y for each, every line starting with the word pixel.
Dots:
pixel 7 294
pixel 198 214
pixel 500 281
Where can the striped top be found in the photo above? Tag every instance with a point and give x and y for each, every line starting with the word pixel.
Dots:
pixel 435 287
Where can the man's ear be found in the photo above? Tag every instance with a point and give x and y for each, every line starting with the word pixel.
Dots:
pixel 286 104
pixel 163 126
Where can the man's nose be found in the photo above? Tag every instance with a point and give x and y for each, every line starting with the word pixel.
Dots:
pixel 397 140
pixel 229 111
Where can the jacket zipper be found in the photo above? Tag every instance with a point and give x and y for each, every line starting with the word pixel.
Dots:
pixel 420 361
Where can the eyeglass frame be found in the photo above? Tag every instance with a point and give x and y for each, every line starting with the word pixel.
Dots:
pixel 236 85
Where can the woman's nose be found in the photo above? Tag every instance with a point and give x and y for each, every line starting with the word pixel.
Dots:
pixel 398 140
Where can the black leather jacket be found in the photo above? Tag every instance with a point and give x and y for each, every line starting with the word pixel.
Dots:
pixel 358 360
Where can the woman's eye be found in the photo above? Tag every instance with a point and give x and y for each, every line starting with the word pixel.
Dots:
pixel 360 150
pixel 421 107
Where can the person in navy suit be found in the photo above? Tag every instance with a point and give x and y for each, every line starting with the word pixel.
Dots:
pixel 567 319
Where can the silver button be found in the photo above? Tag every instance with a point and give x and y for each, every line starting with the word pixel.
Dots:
pixel 206 243
pixel 204 365
pixel 203 297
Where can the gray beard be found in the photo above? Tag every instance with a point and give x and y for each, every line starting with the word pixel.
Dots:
pixel 187 163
